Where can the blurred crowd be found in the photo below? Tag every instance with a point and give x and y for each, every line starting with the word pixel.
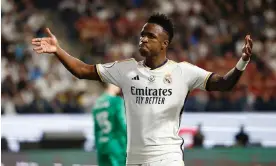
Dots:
pixel 209 34
pixel 32 83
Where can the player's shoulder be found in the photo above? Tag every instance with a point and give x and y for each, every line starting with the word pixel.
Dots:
pixel 102 98
pixel 119 63
pixel 118 100
pixel 186 65
pixel 129 61
pixel 101 102
pixel 111 98
pixel 182 63
pixel 127 64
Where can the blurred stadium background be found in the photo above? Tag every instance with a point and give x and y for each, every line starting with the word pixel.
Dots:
pixel 46 111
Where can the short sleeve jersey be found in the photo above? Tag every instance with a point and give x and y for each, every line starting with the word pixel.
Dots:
pixel 153 102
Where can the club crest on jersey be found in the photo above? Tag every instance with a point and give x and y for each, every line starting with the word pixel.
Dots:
pixel 151 78
pixel 167 79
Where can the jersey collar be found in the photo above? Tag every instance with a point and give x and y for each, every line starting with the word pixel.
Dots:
pixel 158 67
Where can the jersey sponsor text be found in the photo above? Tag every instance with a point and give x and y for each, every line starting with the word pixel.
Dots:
pixel 150 96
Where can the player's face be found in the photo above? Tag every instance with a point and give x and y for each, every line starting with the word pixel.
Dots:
pixel 153 40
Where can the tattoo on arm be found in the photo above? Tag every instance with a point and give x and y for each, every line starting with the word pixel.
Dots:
pixel 225 83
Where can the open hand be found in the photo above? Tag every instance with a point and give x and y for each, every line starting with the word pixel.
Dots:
pixel 46 44
pixel 247 48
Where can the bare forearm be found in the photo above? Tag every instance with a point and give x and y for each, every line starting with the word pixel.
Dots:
pixel 78 68
pixel 224 83
pixel 232 78
pixel 71 63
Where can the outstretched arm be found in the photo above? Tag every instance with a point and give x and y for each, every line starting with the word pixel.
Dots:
pixel 228 81
pixel 78 68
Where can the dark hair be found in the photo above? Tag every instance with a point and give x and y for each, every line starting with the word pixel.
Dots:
pixel 164 22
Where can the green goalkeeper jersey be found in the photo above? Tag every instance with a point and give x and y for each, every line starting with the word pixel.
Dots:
pixel 109 124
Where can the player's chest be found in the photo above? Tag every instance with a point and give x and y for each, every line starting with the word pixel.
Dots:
pixel 154 88
pixel 150 79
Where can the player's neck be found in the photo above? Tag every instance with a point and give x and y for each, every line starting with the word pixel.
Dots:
pixel 155 62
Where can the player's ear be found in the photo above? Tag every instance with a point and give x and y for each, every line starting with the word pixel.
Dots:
pixel 165 44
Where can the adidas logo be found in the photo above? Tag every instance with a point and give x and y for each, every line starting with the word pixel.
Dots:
pixel 135 78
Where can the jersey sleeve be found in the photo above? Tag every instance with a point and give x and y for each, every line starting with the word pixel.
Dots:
pixel 110 73
pixel 198 76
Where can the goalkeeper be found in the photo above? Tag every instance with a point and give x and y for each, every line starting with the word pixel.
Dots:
pixel 110 128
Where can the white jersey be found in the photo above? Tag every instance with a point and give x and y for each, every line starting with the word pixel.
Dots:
pixel 153 101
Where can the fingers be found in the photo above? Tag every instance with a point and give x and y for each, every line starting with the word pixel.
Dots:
pixel 36 40
pixel 248 51
pixel 49 33
pixel 38 49
pixel 36 43
pixel 248 41
pixel 247 47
